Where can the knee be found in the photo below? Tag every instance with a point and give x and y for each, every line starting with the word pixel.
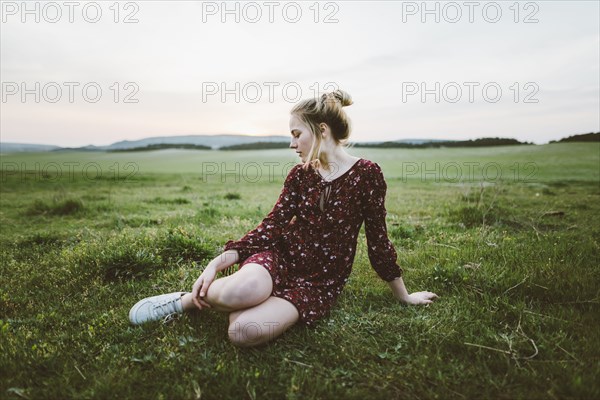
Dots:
pixel 250 289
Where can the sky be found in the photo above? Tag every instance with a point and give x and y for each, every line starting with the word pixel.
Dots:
pixel 94 73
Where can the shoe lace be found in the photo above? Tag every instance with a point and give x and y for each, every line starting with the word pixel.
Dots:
pixel 166 308
pixel 170 318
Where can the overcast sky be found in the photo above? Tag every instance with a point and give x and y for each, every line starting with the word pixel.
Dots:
pixel 528 70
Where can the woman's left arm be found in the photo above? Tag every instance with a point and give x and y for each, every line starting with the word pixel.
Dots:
pixel 381 251
pixel 400 293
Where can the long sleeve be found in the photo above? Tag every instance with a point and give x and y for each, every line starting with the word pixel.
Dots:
pixel 265 235
pixel 382 254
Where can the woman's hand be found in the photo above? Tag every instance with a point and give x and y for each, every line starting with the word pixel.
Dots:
pixel 400 292
pixel 201 285
pixel 200 288
pixel 419 298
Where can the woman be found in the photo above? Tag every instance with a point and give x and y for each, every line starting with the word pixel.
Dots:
pixel 296 262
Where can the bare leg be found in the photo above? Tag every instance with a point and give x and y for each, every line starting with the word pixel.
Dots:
pixel 255 316
pixel 261 323
pixel 245 288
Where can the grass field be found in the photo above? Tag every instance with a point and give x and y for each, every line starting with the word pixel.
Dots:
pixel 508 237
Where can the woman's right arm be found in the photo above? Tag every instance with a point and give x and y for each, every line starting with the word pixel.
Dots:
pixel 219 263
pixel 264 236
pixel 259 239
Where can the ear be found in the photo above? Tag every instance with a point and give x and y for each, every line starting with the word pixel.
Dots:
pixel 323 126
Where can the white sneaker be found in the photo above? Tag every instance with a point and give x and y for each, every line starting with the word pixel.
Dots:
pixel 156 308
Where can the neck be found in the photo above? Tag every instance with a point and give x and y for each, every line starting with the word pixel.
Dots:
pixel 336 156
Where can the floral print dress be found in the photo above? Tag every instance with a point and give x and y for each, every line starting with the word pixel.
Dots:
pixel 308 241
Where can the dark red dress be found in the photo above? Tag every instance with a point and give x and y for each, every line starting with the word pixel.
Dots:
pixel 308 241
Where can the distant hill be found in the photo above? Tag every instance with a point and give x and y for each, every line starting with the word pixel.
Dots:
pixel 151 147
pixel 208 141
pixel 483 142
pixel 421 141
pixel 247 142
pixel 212 141
pixel 285 144
pixel 586 137
pixel 24 147
pixel 258 146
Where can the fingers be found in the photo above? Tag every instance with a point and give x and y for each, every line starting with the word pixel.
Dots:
pixel 426 297
pixel 204 288
pixel 195 289
pixel 196 301
pixel 429 295
pixel 199 291
pixel 203 292
pixel 195 293
pixel 200 302
pixel 204 303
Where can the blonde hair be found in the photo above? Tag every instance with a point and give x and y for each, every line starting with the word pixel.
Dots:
pixel 326 109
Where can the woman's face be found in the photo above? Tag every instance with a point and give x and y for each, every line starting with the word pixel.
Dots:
pixel 302 138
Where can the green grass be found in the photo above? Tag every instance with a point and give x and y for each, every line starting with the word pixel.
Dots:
pixel 514 260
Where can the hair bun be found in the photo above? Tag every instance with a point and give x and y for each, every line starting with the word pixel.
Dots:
pixel 339 96
pixel 343 97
